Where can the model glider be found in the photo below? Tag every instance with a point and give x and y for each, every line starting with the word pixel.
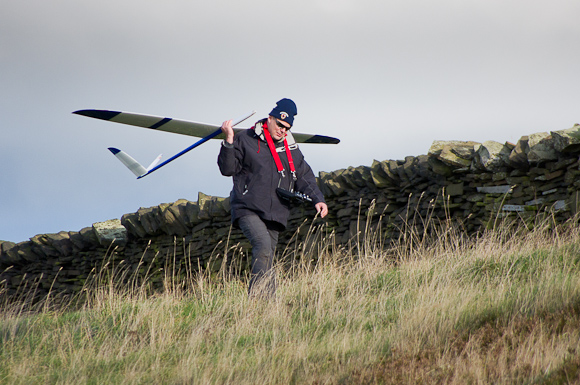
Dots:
pixel 202 130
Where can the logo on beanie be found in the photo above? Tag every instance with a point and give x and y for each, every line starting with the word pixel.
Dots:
pixel 283 115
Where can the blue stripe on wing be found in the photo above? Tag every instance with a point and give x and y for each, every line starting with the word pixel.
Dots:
pixel 322 139
pixel 161 123
pixel 98 114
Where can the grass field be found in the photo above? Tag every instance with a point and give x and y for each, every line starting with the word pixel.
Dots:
pixel 501 308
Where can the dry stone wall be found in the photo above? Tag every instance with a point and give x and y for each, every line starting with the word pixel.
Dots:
pixel 474 184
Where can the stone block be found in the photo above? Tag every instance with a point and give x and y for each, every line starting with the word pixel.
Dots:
pixel 564 163
pixel 409 168
pixel 454 189
pixel 439 167
pixel 172 224
pixel 133 225
pixel 192 214
pixel 492 156
pixel 331 186
pixel 61 242
pixel 9 254
pixel 148 217
pixel 571 176
pixel 567 140
pixel 179 211
pixel 29 253
pixel 559 205
pixel 89 237
pixel 378 176
pixel 220 207
pixel 346 212
pixel 355 176
pixel 387 170
pixel 475 198
pixel 517 208
pixel 453 153
pixel 506 189
pixel 541 147
pixel 110 231
pixel 42 245
pixel 393 166
pixel 5 258
pixel 78 241
pixel 200 227
pixel 422 167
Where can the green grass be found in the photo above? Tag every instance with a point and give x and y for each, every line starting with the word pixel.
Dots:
pixel 501 308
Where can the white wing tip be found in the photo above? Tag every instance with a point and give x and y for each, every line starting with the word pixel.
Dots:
pixel 134 166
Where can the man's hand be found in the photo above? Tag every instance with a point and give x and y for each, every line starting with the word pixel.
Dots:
pixel 322 209
pixel 228 130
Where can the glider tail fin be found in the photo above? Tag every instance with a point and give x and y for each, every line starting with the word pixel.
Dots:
pixel 135 167
pixel 154 163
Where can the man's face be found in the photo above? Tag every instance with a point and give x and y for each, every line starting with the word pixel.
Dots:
pixel 277 128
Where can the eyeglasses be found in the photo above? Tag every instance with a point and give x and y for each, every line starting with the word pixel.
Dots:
pixel 279 124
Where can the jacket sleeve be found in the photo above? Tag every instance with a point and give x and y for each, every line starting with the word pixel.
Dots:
pixel 230 159
pixel 306 182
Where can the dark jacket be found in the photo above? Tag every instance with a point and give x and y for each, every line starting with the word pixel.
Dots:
pixel 256 178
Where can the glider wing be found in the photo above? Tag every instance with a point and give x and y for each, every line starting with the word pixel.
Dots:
pixel 183 127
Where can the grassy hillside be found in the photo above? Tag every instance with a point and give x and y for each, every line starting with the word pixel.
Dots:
pixel 500 308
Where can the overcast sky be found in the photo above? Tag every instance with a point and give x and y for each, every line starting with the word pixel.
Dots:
pixel 387 77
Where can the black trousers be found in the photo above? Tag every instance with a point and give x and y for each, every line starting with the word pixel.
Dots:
pixel 263 237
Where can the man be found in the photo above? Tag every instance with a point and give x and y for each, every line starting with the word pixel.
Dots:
pixel 262 160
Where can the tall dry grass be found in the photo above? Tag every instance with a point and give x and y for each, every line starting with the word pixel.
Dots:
pixel 502 308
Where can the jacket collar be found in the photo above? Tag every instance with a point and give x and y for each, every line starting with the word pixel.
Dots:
pixel 259 131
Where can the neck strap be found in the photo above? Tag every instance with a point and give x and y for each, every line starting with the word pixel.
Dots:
pixel 275 153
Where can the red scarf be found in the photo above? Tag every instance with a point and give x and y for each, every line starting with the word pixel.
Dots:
pixel 275 153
